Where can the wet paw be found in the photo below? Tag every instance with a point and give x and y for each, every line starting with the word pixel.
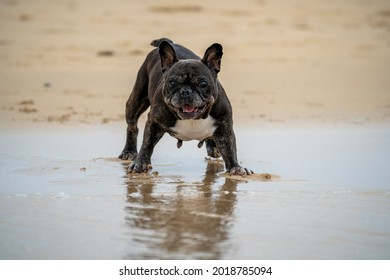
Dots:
pixel 213 152
pixel 127 155
pixel 238 170
pixel 139 167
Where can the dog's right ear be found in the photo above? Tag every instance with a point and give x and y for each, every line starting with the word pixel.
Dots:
pixel 167 55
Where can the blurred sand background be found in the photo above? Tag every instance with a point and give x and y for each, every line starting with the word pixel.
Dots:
pixel 75 61
pixel 310 87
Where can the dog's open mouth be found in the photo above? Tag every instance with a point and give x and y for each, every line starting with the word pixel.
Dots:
pixel 191 109
pixel 188 111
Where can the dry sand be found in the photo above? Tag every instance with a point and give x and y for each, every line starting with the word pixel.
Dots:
pixel 284 61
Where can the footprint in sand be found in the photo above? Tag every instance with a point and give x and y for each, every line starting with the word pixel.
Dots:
pixel 25 106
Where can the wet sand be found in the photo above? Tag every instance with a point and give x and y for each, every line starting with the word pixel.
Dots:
pixel 308 82
pixel 75 201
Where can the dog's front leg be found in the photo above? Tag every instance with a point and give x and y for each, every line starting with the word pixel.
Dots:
pixel 226 144
pixel 152 134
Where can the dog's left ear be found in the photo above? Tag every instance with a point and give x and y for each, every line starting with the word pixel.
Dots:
pixel 212 57
pixel 167 55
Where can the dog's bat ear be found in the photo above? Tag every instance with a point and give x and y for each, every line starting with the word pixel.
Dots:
pixel 212 57
pixel 167 55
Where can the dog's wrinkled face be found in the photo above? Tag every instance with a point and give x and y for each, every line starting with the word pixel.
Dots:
pixel 190 86
pixel 189 89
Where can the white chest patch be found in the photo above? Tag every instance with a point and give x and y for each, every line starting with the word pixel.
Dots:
pixel 187 130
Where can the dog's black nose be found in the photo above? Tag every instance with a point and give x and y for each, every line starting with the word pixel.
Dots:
pixel 185 92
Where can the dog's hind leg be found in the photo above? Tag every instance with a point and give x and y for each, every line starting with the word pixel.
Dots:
pixel 212 150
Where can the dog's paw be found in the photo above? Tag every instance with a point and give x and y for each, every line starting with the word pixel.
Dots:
pixel 238 170
pixel 139 167
pixel 213 152
pixel 127 155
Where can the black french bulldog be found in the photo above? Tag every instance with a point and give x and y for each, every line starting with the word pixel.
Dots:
pixel 186 100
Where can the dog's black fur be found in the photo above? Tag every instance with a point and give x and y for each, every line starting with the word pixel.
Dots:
pixel 186 100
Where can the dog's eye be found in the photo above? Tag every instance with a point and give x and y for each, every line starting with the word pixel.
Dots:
pixel 203 84
pixel 172 83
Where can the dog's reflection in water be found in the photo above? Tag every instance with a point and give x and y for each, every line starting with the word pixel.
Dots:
pixel 179 220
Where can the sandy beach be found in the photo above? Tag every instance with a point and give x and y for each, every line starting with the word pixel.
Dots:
pixel 310 89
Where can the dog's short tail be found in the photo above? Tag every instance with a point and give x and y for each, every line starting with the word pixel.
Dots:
pixel 157 42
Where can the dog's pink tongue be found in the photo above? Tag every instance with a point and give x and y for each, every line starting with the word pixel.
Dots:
pixel 188 108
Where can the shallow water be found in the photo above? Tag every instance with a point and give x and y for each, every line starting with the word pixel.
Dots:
pixel 64 195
